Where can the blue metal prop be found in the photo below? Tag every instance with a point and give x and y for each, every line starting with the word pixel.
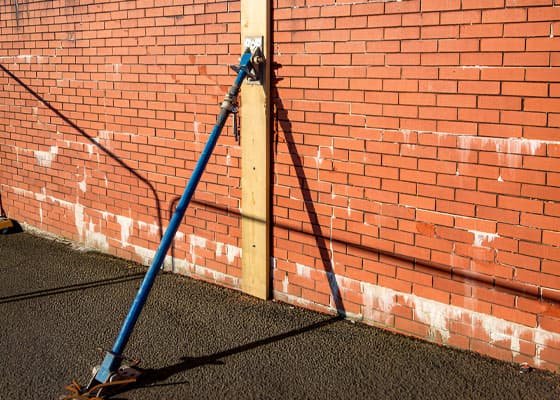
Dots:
pixel 113 358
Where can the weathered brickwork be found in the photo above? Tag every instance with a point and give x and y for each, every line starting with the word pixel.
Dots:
pixel 416 152
pixel 136 89
pixel 417 171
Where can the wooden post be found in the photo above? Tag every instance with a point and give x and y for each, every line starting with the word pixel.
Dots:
pixel 255 158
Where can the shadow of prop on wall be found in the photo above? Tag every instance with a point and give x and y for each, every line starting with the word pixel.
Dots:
pixel 282 122
pixel 92 140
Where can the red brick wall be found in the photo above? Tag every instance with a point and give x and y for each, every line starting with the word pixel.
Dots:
pixel 416 158
pixel 140 87
pixel 416 152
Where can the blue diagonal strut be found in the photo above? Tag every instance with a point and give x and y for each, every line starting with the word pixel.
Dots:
pixel 113 358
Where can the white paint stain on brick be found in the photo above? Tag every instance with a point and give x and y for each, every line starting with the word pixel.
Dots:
pixel 435 315
pixel 45 158
pixel 82 184
pixel 503 145
pixel 232 252
pixel 303 271
pixel 285 283
pixel 25 57
pixel 104 137
pixel 517 146
pixel 105 134
pixel 95 239
pixel 184 267
pixel 500 330
pixel 406 135
pixel 378 304
pixel 195 241
pixel 219 249
pixel 41 196
pixel 196 128
pixel 146 255
pixel 89 147
pixel 63 203
pixel 90 235
pixel 318 159
pixel 21 192
pixel 126 224
pixel 152 229
pixel 483 237
pixel 79 218
pixel 377 297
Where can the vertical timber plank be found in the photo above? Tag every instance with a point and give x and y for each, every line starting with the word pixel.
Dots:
pixel 255 159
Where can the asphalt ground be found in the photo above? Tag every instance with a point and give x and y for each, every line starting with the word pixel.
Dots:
pixel 199 341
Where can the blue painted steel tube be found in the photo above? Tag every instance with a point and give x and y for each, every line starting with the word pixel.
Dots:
pixel 112 359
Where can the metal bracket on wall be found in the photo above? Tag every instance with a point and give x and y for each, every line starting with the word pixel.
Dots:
pixel 255 45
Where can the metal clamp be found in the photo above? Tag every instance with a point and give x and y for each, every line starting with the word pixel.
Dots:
pixel 255 45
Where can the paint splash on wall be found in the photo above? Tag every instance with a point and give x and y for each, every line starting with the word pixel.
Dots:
pixel 45 158
pixel 379 305
pixel 480 238
pixel 126 228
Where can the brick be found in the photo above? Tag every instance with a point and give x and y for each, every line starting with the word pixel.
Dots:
pixel 411 327
pixel 492 269
pixel 400 125
pixel 539 221
pixel 431 293
pixel 534 59
pixel 539 250
pixel 504 15
pixel 490 350
pixel 481 30
pixel 437 192
pixel 543 14
pixel 484 88
pixel 461 17
pixel 420 19
pixel 512 203
pixel 434 5
pixel 391 283
pixel 471 303
pixel 499 102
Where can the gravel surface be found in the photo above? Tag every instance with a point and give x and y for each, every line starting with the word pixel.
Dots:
pixel 199 341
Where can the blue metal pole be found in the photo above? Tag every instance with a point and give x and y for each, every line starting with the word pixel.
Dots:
pixel 112 359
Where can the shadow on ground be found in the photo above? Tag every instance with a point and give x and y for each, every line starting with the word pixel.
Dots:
pixel 195 340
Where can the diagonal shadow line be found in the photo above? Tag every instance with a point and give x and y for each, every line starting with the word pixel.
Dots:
pixel 155 377
pixel 92 140
pixel 281 118
pixel 453 272
pixel 70 288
